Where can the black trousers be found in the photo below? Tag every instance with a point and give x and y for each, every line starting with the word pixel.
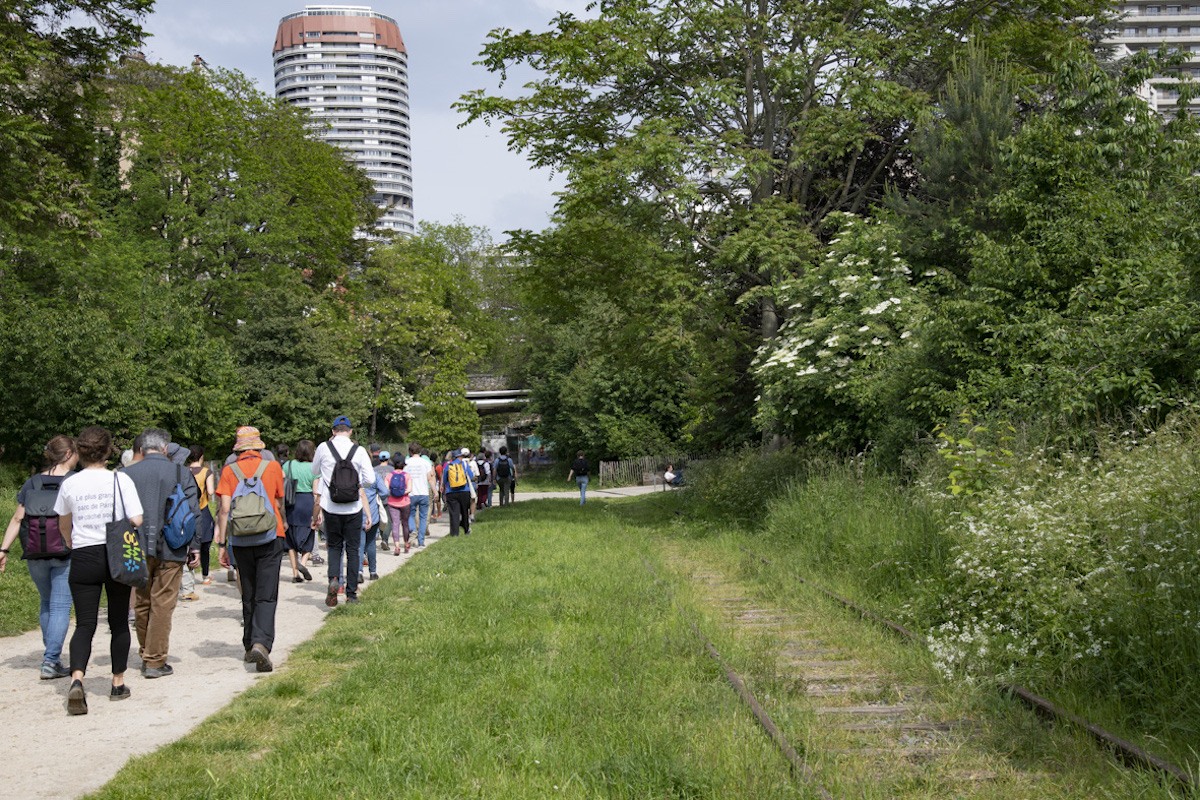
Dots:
pixel 89 574
pixel 258 568
pixel 345 531
pixel 459 505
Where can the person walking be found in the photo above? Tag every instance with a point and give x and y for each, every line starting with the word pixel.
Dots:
pixel 506 475
pixel 422 482
pixel 49 559
pixel 155 477
pixel 87 501
pixel 384 469
pixel 205 523
pixel 397 506
pixel 376 491
pixel 301 539
pixel 342 469
pixel 579 471
pixel 457 478
pixel 250 522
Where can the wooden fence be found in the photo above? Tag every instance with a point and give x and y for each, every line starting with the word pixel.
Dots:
pixel 645 471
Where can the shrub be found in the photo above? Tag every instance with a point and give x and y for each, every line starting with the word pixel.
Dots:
pixel 737 487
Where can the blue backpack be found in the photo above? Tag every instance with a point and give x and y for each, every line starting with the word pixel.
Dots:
pixel 179 526
pixel 251 513
pixel 398 485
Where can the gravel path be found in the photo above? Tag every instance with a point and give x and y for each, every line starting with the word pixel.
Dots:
pixel 81 754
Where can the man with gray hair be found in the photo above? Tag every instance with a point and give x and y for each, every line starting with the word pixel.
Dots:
pixel 155 477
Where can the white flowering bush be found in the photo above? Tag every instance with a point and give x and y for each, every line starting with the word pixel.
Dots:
pixel 1079 570
pixel 847 321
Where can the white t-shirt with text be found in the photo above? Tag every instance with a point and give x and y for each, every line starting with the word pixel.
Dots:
pixel 88 496
pixel 418 469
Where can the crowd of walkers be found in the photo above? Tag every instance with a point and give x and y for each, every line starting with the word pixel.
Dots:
pixel 138 531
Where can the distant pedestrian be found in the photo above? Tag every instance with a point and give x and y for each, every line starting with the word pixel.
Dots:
pixel 250 522
pixel 506 475
pixel 384 469
pixel 343 468
pixel 49 557
pixel 301 539
pixel 579 471
pixel 422 482
pixel 87 501
pixel 156 477
pixel 457 477
pixel 397 504
pixel 206 482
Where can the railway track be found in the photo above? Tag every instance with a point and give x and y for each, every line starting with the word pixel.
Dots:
pixel 833 677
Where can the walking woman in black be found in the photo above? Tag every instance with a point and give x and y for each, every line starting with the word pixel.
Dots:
pixel 87 501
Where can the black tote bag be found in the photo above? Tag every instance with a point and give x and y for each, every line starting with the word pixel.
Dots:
pixel 126 556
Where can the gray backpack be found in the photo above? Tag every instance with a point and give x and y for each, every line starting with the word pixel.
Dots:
pixel 251 513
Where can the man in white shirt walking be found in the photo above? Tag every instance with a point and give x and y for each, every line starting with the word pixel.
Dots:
pixel 342 469
pixel 422 481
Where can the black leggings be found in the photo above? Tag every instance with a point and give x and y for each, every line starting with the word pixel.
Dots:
pixel 205 558
pixel 89 574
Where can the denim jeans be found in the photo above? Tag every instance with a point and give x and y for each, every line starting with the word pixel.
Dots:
pixel 419 501
pixel 368 547
pixel 582 481
pixel 51 577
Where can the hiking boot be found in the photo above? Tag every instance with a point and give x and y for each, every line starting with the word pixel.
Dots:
pixel 76 699
pixel 189 597
pixel 158 672
pixel 119 692
pixel 53 669
pixel 259 656
pixel 331 595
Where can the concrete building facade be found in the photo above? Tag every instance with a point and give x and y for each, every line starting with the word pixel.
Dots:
pixel 347 65
pixel 1151 24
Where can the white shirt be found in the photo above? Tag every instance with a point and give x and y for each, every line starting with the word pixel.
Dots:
pixel 322 467
pixel 417 468
pixel 88 496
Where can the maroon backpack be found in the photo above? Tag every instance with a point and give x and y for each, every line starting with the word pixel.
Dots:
pixel 40 536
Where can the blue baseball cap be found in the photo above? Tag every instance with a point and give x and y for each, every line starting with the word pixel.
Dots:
pixel 342 420
pixel 385 455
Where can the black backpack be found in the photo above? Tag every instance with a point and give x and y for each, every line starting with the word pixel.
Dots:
pixel 344 483
pixel 40 536
pixel 503 467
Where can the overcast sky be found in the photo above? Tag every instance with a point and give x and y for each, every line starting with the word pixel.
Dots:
pixel 468 171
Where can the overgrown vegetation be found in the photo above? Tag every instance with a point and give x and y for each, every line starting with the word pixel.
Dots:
pixel 1071 571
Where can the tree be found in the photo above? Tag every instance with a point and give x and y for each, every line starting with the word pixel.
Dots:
pixel 49 103
pixel 448 419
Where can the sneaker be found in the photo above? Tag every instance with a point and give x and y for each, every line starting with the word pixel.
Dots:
pixel 331 595
pixel 76 699
pixel 304 571
pixel 353 600
pixel 206 580
pixel 405 548
pixel 259 656
pixel 360 577
pixel 189 597
pixel 119 692
pixel 374 576
pixel 53 669
pixel 365 563
pixel 398 550
pixel 158 672
pixel 297 579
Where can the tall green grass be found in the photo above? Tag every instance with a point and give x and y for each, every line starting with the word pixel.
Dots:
pixel 534 658
pixel 18 596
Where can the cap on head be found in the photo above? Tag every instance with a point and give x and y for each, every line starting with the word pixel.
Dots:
pixel 343 420
pixel 374 447
pixel 466 451
pixel 384 455
pixel 248 438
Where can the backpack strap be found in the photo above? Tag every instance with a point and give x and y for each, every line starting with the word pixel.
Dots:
pixel 237 470
pixel 262 467
pixel 336 457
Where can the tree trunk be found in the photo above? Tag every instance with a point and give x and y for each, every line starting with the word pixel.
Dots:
pixel 375 402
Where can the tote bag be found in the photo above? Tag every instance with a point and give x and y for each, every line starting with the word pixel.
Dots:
pixel 126 556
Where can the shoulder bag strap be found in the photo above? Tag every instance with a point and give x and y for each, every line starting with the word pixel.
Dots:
pixel 117 493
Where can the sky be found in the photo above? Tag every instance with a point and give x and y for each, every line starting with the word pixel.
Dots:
pixel 457 172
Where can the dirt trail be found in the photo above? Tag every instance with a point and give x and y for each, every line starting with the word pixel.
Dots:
pixel 206 653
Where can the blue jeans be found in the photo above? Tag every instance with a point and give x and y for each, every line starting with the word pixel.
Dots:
pixel 51 576
pixel 420 501
pixel 368 547
pixel 582 481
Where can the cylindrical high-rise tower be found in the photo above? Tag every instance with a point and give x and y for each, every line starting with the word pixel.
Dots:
pixel 347 65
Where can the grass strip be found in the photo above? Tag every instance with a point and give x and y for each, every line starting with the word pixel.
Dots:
pixel 535 658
